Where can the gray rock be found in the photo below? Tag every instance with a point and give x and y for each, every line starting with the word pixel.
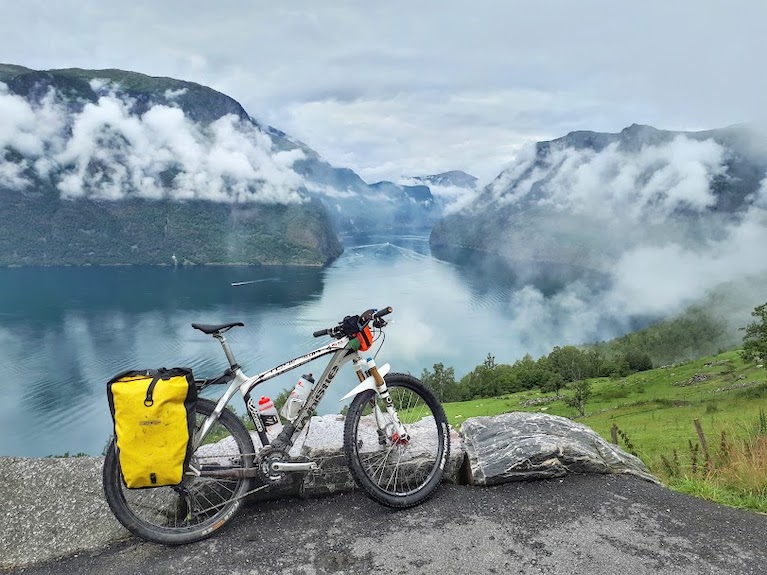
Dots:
pixel 523 446
pixel 323 443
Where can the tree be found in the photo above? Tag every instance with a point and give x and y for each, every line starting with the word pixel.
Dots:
pixel 530 373
pixel 506 380
pixel 755 340
pixel 553 383
pixel 439 380
pixel 484 380
pixel 581 395
pixel 569 362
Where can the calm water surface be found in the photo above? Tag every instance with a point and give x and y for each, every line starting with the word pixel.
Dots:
pixel 65 331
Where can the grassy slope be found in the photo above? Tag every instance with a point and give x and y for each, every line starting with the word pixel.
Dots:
pixel 658 416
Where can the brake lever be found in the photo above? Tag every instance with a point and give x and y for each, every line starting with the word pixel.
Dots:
pixel 366 316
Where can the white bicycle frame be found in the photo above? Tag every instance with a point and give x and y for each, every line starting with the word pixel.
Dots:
pixel 370 376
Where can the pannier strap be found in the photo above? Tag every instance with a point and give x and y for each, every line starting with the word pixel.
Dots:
pixel 149 402
pixel 210 328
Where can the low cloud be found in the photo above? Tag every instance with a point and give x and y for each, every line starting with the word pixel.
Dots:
pixel 173 94
pixel 651 182
pixel 452 198
pixel 107 151
pixel 647 215
pixel 661 279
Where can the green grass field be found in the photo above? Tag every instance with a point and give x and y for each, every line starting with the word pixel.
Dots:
pixel 656 411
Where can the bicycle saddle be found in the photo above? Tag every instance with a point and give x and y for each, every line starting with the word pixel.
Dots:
pixel 211 329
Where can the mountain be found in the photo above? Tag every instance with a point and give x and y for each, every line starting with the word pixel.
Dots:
pixel 456 178
pixel 110 166
pixel 451 190
pixel 588 198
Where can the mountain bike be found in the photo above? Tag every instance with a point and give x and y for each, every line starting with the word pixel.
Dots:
pixel 396 440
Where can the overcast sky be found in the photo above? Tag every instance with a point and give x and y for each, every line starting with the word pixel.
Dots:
pixel 400 88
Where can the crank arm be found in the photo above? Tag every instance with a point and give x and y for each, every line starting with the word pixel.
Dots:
pixel 294 466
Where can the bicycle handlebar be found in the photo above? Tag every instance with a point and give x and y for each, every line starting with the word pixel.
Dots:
pixel 383 312
pixel 362 320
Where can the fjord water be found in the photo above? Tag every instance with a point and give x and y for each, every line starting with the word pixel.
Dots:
pixel 65 331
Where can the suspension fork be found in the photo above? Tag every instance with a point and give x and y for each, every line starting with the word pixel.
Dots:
pixel 366 368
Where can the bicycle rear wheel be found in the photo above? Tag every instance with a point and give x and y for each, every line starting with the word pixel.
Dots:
pixel 200 505
pixel 395 471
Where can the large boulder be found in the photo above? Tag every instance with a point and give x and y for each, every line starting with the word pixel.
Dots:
pixel 522 446
pixel 323 444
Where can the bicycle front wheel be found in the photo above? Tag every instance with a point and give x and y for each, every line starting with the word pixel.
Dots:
pixel 199 505
pixel 394 470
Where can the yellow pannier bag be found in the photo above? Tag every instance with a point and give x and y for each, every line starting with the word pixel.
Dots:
pixel 153 413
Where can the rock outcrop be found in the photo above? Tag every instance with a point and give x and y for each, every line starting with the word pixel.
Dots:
pixel 324 444
pixel 524 446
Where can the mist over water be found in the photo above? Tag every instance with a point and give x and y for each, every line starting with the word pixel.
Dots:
pixel 65 331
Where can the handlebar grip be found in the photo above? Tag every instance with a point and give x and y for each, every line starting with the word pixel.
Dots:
pixel 321 332
pixel 383 312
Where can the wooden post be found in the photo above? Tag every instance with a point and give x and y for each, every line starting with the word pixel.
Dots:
pixel 614 434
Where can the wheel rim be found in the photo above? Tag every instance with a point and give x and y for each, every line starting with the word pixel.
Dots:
pixel 393 466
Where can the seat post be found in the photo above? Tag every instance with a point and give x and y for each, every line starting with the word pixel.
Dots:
pixel 229 355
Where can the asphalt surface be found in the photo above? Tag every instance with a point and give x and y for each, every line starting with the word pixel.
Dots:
pixel 586 524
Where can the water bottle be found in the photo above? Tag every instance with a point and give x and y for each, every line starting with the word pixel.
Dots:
pixel 297 397
pixel 269 416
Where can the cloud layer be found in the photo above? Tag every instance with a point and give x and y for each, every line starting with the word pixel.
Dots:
pixel 107 151
pixel 651 182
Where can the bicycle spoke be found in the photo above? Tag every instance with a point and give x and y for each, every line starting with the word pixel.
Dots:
pixel 407 463
pixel 186 512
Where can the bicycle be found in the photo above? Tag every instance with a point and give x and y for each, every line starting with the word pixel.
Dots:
pixel 396 441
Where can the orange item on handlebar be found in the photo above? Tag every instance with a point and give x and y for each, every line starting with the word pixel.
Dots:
pixel 365 337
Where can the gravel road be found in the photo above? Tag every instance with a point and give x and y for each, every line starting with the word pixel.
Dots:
pixel 585 524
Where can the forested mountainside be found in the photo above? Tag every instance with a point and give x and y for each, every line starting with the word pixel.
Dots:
pixel 110 166
pixel 46 230
pixel 587 198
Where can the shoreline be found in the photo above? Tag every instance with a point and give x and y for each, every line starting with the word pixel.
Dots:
pixel 210 264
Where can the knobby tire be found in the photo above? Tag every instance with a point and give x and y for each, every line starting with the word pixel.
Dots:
pixel 391 473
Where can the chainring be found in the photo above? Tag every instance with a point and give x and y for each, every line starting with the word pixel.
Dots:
pixel 265 460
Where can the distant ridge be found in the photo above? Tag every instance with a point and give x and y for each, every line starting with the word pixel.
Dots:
pixel 456 178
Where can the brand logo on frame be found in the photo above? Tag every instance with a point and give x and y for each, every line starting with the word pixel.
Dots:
pixel 254 415
pixel 318 393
